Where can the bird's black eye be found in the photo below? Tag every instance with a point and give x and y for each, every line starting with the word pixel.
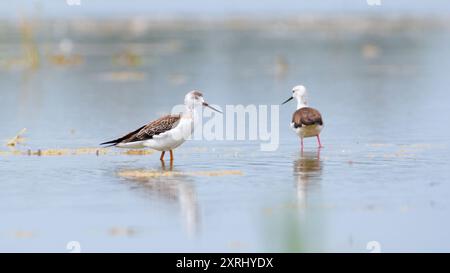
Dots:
pixel 293 91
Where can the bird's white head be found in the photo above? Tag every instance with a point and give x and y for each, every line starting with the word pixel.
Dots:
pixel 299 93
pixel 194 99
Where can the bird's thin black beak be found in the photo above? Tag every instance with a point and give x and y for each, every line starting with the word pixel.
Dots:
pixel 210 107
pixel 287 100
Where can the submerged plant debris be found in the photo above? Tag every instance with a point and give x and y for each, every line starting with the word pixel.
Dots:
pixel 76 151
pixel 17 138
pixel 154 173
pixel 138 152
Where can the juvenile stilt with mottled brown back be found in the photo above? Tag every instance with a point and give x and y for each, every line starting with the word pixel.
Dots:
pixel 165 133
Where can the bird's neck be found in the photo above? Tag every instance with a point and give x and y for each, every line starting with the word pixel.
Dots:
pixel 191 112
pixel 301 104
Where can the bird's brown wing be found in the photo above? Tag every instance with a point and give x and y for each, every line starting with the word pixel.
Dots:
pixel 145 132
pixel 306 116
pixel 155 127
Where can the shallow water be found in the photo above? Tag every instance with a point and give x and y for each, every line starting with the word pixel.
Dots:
pixel 382 175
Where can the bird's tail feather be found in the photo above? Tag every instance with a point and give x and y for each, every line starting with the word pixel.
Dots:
pixel 120 139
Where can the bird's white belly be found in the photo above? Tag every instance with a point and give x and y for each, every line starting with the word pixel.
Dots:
pixel 163 144
pixel 308 130
pixel 171 139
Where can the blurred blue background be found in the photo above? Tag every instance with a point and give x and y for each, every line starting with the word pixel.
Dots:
pixel 214 8
pixel 75 76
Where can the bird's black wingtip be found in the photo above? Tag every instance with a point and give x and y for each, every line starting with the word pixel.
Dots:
pixel 109 143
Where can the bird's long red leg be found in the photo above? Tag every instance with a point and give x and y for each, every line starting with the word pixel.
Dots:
pixel 318 140
pixel 171 155
pixel 301 143
pixel 162 156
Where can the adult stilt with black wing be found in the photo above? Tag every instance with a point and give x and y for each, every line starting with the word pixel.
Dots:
pixel 306 121
pixel 166 133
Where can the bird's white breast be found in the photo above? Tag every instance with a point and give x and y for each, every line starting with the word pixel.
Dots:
pixel 172 138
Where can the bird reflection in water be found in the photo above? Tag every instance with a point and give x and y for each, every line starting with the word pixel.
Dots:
pixel 163 166
pixel 307 170
pixel 173 188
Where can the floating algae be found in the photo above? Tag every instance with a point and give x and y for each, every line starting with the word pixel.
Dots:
pixel 123 76
pixel 122 231
pixel 66 60
pixel 127 58
pixel 138 152
pixel 23 234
